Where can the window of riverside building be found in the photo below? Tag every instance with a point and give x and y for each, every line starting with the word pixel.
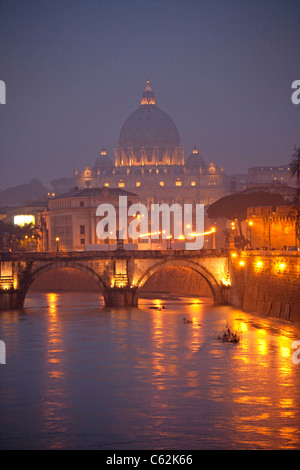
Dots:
pixel 106 185
pixel 121 184
pixel 178 183
pixel 138 184
pixel 161 183
pixel 81 204
pixel 82 229
pixel 82 241
pixel 193 183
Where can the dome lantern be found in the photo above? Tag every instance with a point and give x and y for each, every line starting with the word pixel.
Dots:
pixel 148 97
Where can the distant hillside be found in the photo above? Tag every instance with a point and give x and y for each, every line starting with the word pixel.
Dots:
pixel 62 185
pixel 23 194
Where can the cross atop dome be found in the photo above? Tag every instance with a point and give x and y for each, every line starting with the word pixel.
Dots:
pixel 148 87
pixel 148 97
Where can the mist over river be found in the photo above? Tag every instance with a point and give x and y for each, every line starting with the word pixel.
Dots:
pixel 82 376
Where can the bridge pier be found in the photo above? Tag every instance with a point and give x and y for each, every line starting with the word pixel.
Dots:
pixel 121 297
pixel 10 299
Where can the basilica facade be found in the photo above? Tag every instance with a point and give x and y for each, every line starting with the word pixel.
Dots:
pixel 151 163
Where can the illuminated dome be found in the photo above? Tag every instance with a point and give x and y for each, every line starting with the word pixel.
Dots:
pixel 149 126
pixel 195 160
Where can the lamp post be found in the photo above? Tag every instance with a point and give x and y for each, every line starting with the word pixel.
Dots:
pixel 213 237
pixel 250 223
pixel 270 222
pixel 57 243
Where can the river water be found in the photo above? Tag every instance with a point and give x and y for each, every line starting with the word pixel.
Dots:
pixel 79 376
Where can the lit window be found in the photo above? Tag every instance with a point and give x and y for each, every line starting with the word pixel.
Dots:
pixel 138 184
pixel 178 183
pixel 161 183
pixel 106 185
pixel 121 184
pixel 193 183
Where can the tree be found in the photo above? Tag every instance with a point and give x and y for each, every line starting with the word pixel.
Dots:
pixel 15 238
pixel 295 210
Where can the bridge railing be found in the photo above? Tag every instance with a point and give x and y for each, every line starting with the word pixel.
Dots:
pixel 109 254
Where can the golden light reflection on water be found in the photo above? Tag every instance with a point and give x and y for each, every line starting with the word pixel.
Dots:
pixel 155 376
pixel 252 365
pixel 158 358
pixel 55 396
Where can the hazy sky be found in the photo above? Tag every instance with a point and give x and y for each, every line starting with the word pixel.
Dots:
pixel 75 70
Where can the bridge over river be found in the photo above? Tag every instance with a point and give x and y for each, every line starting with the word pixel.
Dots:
pixel 265 282
pixel 119 274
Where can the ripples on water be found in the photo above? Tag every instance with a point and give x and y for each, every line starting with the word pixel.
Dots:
pixel 79 376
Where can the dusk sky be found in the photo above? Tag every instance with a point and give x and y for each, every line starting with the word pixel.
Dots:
pixel 74 71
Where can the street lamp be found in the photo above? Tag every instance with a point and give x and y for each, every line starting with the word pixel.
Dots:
pixel 250 223
pixel 57 243
pixel 213 230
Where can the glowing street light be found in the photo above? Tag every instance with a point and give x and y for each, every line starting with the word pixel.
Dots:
pixel 213 231
pixel 57 243
pixel 250 223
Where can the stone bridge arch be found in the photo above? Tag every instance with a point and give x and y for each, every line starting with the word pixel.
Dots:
pixel 215 287
pixel 33 275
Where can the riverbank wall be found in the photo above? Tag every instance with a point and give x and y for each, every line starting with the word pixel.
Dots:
pixel 266 283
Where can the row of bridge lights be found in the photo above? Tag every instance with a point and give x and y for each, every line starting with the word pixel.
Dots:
pixel 258 264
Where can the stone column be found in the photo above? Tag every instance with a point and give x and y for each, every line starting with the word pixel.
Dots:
pixel 122 297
